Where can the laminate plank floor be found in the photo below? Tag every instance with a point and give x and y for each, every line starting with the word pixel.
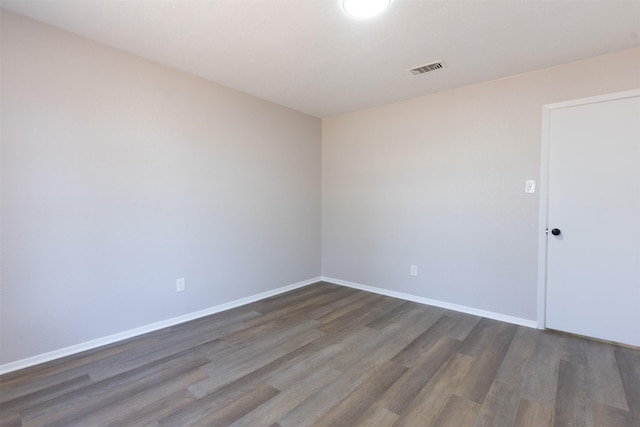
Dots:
pixel 326 355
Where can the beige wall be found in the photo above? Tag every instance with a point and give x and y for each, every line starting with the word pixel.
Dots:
pixel 438 181
pixel 120 176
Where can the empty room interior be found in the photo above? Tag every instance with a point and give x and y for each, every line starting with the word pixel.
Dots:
pixel 320 213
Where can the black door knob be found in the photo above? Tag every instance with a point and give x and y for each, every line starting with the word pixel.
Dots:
pixel 556 232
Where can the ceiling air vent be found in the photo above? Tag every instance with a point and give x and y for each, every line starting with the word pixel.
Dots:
pixel 426 68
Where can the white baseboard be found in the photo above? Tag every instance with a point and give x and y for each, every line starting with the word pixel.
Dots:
pixel 89 345
pixel 435 303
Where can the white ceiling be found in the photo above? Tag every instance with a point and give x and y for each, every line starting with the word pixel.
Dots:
pixel 310 56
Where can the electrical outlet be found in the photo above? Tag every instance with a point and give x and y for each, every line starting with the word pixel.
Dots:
pixel 414 270
pixel 181 285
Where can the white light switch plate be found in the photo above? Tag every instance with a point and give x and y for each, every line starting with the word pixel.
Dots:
pixel 530 186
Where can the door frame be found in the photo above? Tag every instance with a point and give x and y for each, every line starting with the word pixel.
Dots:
pixel 543 218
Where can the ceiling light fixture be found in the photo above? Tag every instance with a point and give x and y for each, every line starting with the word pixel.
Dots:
pixel 365 8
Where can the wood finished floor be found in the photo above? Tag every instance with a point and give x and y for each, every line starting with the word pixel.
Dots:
pixel 326 355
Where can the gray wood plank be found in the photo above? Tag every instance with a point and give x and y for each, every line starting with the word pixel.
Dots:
pixel 462 326
pixel 135 405
pixel 431 314
pixel 604 415
pixel 287 299
pixel 10 419
pixel 221 374
pixel 356 367
pixel 459 412
pixel 376 416
pixel 500 406
pixel 330 307
pixel 238 407
pixel 477 382
pixel 532 414
pixel 513 370
pixel 321 356
pixel 355 404
pixel 291 396
pixel 479 337
pixel 361 315
pixel 411 353
pixel 313 407
pixel 572 407
pixel 385 345
pixel 222 396
pixel 629 367
pixel 426 406
pixel 74 406
pixel 46 394
pixel 36 378
pixel 148 415
pixel 280 318
pixel 360 300
pixel 542 373
pixel 331 355
pixel 605 384
pixel 402 393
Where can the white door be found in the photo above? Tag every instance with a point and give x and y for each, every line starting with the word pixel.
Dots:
pixel 593 265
